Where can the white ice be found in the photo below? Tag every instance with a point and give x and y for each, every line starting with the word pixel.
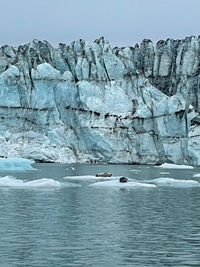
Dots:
pixel 16 164
pixel 135 170
pixel 196 175
pixel 171 182
pixel 164 172
pixel 174 166
pixel 116 183
pixel 9 181
pixel 90 177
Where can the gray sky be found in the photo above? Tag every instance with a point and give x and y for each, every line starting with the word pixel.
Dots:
pixel 122 22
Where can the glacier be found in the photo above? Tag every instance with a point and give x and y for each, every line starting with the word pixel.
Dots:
pixel 91 103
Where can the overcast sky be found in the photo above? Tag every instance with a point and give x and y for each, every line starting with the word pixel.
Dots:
pixel 122 22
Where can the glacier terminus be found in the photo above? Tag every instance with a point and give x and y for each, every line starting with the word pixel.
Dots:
pixel 90 103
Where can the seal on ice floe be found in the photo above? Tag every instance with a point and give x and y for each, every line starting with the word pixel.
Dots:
pixel 105 174
pixel 123 179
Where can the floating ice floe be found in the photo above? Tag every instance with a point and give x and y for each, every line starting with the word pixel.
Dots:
pixel 16 164
pixel 174 166
pixel 164 172
pixel 135 171
pixel 174 182
pixel 196 175
pixel 116 183
pixel 9 181
pixel 90 177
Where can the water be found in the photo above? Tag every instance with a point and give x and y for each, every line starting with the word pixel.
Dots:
pixel 88 226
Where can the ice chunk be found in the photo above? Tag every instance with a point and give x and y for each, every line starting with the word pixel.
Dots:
pixel 90 177
pixel 16 164
pixel 164 172
pixel 44 182
pixel 174 166
pixel 116 183
pixel 135 171
pixel 196 175
pixel 174 182
pixel 9 181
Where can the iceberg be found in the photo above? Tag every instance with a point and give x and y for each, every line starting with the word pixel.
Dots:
pixel 10 181
pixel 117 184
pixel 197 175
pixel 174 166
pixel 89 178
pixel 171 182
pixel 16 164
pixel 44 182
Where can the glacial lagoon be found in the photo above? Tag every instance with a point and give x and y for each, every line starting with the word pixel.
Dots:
pixel 62 215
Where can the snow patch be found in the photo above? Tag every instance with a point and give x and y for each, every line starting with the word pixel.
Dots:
pixel 174 166
pixel 171 182
pixel 16 164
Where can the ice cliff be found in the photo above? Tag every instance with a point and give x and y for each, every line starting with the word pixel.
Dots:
pixel 93 103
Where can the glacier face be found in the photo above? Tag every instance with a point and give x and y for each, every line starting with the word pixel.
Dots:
pixel 93 103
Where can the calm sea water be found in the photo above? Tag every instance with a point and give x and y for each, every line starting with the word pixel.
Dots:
pixel 88 226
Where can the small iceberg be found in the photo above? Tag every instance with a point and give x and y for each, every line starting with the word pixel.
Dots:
pixel 44 182
pixel 10 181
pixel 117 184
pixel 16 164
pixel 171 182
pixel 196 175
pixel 90 177
pixel 174 166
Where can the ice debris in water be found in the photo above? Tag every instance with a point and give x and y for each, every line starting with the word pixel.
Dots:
pixel 16 164
pixel 196 175
pixel 10 181
pixel 174 166
pixel 174 182
pixel 116 183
